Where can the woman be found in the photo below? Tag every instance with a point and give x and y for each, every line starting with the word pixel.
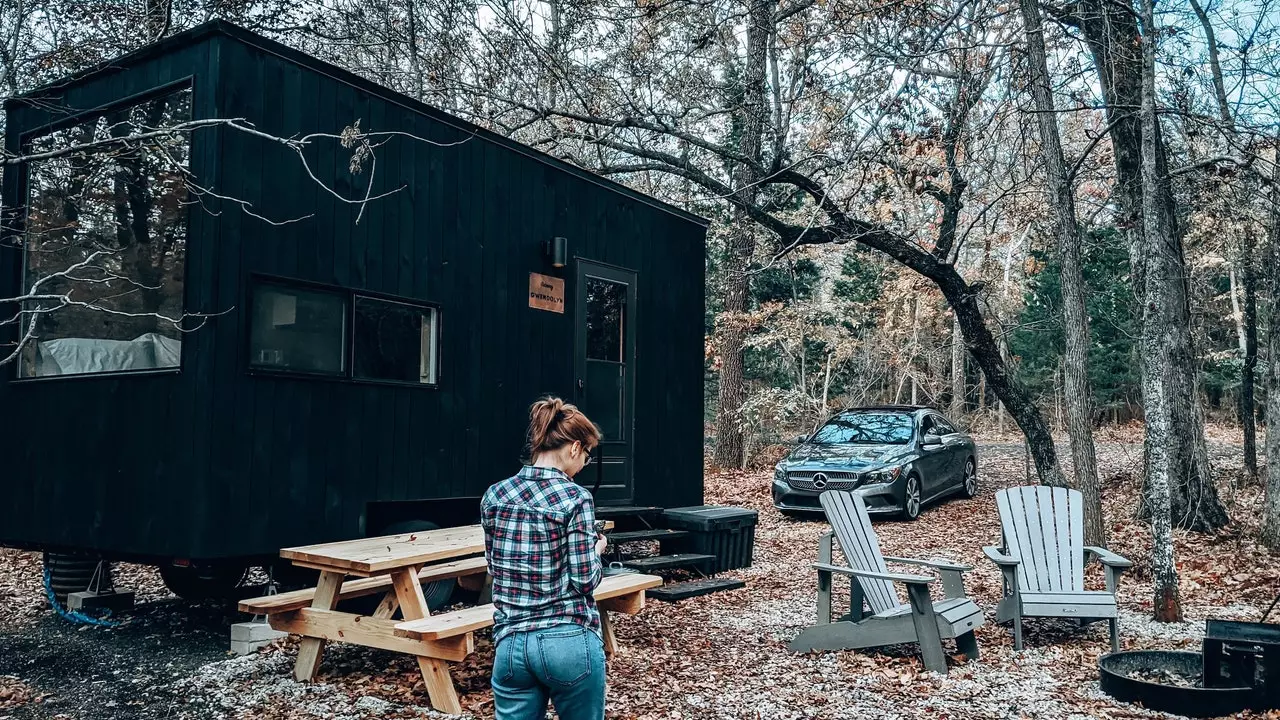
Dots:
pixel 544 557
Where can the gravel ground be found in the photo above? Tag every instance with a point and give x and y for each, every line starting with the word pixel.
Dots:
pixel 722 656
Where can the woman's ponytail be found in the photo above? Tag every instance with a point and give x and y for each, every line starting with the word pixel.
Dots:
pixel 553 423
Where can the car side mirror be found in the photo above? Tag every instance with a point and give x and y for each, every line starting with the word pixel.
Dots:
pixel 930 441
pixel 801 439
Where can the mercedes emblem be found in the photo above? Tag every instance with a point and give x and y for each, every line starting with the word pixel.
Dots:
pixel 819 481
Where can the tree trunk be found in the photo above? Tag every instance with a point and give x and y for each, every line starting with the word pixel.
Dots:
pixel 985 351
pixel 1159 342
pixel 957 371
pixel 1248 414
pixel 1271 370
pixel 1111 31
pixel 1077 388
pixel 729 441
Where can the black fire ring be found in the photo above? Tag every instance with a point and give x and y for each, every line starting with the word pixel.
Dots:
pixel 1117 670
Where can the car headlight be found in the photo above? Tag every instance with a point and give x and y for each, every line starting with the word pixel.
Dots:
pixel 887 475
pixel 779 475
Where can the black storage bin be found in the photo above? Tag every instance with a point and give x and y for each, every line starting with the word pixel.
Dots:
pixel 727 532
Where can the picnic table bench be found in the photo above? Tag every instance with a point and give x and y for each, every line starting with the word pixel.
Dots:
pixel 397 566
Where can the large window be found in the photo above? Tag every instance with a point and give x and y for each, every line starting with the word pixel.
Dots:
pixel 324 331
pixel 105 242
pixel 866 428
pixel 296 329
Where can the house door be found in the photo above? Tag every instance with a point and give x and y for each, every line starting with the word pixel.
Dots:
pixel 604 364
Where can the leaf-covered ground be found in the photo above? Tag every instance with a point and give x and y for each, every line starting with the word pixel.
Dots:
pixel 725 655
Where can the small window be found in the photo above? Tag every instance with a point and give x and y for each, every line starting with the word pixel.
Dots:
pixel 394 341
pixel 944 427
pixel 606 317
pixel 298 329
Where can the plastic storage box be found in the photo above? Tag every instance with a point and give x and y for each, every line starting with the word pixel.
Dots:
pixel 727 532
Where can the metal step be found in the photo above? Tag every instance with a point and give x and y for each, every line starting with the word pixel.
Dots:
pixel 692 588
pixel 666 562
pixel 627 511
pixel 639 535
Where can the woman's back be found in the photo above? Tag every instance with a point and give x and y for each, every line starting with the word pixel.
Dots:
pixel 540 544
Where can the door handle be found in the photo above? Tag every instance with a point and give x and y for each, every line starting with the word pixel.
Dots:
pixel 581 384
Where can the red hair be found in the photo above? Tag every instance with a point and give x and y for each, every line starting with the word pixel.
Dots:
pixel 553 423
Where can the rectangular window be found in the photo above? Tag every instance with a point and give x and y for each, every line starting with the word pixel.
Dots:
pixel 331 331
pixel 298 330
pixel 394 341
pixel 105 242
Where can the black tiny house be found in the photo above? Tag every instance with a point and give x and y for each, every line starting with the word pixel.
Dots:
pixel 341 365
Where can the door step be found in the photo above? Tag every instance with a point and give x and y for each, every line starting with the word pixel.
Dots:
pixel 627 511
pixel 640 535
pixel 667 562
pixel 693 588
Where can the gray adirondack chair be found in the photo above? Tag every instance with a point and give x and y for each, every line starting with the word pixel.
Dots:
pixel 1043 560
pixel 889 621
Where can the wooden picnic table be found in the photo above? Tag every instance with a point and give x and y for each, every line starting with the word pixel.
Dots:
pixel 397 565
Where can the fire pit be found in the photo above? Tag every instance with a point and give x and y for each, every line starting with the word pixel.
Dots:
pixel 1172 681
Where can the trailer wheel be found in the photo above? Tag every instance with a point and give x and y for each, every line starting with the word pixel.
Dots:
pixel 439 592
pixel 74 573
pixel 196 583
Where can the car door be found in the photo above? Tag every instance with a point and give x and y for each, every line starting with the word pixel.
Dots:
pixel 933 458
pixel 953 454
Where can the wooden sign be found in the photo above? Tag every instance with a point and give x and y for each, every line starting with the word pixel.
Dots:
pixel 546 293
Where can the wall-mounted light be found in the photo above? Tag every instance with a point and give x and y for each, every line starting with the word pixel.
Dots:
pixel 557 249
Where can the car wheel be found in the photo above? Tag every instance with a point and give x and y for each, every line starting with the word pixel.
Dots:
pixel 969 483
pixel 911 498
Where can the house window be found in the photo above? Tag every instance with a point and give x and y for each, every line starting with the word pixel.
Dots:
pixel 394 341
pixel 298 329
pixel 330 331
pixel 105 242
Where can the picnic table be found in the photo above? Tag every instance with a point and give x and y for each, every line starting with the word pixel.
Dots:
pixel 396 566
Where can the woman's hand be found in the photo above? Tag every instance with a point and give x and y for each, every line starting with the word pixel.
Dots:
pixel 601 545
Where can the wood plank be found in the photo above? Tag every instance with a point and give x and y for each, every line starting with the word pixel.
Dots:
pixel 312 648
pixel 1096 597
pixel 1075 511
pixel 1068 610
pixel 1046 498
pixel 630 604
pixel 435 673
pixel 1013 521
pixel 331 625
pixel 369 556
pixel 860 545
pixel 606 633
pixel 1070 565
pixel 285 602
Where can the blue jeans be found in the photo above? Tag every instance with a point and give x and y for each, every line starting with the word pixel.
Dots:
pixel 564 664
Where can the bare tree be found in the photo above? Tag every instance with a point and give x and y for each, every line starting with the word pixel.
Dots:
pixel 1061 197
pixel 1160 333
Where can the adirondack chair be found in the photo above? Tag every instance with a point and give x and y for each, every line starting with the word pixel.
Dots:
pixel 1043 560
pixel 889 621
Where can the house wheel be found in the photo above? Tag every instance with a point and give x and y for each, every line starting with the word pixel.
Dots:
pixel 196 583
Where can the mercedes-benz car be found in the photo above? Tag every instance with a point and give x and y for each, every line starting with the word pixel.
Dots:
pixel 898 457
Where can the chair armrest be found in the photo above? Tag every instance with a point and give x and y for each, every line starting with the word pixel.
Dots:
pixel 1108 558
pixel 938 564
pixel 994 555
pixel 894 577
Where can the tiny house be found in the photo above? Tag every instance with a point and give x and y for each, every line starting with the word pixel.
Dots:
pixel 320 320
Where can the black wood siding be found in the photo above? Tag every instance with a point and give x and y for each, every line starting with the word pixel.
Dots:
pixel 215 461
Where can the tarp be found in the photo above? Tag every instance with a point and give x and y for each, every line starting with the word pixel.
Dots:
pixel 72 356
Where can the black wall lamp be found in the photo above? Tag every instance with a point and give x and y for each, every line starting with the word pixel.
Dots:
pixel 557 249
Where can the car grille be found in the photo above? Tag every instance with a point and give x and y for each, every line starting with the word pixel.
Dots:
pixel 836 480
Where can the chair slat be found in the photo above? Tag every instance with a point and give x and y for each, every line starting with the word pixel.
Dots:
pixel 1075 548
pixel 1013 519
pixel 847 514
pixel 1046 498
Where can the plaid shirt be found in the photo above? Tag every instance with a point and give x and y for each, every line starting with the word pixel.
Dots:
pixel 540 545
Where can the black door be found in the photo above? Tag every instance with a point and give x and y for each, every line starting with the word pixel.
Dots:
pixel 604 362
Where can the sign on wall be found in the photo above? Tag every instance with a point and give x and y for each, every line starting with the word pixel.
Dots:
pixel 546 293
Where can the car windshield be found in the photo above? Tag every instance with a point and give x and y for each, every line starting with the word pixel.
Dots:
pixel 868 428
